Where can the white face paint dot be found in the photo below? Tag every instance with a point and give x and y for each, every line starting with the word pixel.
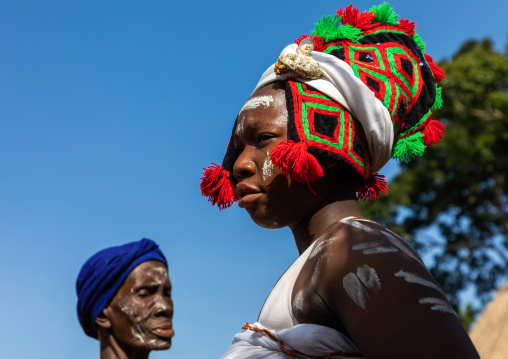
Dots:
pixel 282 120
pixel 267 167
pixel 239 127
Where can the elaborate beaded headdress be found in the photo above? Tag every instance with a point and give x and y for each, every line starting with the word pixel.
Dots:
pixel 359 89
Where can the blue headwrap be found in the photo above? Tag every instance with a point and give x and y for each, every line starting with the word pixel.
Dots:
pixel 104 273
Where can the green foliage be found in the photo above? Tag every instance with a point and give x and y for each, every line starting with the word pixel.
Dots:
pixel 453 201
pixel 467 316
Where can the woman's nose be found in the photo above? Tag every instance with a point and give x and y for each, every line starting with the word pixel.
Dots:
pixel 244 166
pixel 164 307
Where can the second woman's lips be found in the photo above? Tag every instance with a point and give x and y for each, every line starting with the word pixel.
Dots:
pixel 164 332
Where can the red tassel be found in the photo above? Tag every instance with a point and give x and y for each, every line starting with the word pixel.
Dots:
pixel 437 71
pixel 294 159
pixel 353 17
pixel 433 132
pixel 407 26
pixel 216 184
pixel 370 189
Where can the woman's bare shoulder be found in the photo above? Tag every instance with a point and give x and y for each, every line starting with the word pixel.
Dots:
pixel 379 288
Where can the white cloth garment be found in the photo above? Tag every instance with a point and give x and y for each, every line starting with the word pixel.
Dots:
pixel 277 317
pixel 340 84
pixel 277 312
pixel 310 339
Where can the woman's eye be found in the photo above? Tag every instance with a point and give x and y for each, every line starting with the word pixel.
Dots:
pixel 264 137
pixel 143 293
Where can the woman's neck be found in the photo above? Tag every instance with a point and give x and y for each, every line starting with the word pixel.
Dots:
pixel 331 211
pixel 112 349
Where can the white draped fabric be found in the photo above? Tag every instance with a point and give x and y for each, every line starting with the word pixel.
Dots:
pixel 310 339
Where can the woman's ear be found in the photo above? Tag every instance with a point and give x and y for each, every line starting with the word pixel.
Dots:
pixel 103 320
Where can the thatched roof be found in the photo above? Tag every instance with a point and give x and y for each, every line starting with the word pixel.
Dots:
pixel 490 333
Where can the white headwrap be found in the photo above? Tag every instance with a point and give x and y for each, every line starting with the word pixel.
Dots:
pixel 338 82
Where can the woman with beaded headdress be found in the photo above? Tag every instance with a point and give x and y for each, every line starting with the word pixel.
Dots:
pixel 320 124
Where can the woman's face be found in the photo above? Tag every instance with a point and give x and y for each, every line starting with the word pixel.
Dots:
pixel 271 199
pixel 141 311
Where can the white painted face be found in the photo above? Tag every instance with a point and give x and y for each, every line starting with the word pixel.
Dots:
pixel 141 310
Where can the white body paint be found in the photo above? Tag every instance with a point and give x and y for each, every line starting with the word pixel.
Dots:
pixel 358 225
pixel 366 245
pixel 414 278
pixel 438 304
pixel 298 302
pixel 355 290
pixel 402 245
pixel 369 278
pixel 320 246
pixel 380 249
pixel 358 285
pixel 373 247
pixel 318 269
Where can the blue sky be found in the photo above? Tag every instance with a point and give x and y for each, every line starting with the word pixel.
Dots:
pixel 109 110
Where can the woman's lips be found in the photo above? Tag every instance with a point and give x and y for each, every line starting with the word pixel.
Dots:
pixel 164 332
pixel 247 193
pixel 248 199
